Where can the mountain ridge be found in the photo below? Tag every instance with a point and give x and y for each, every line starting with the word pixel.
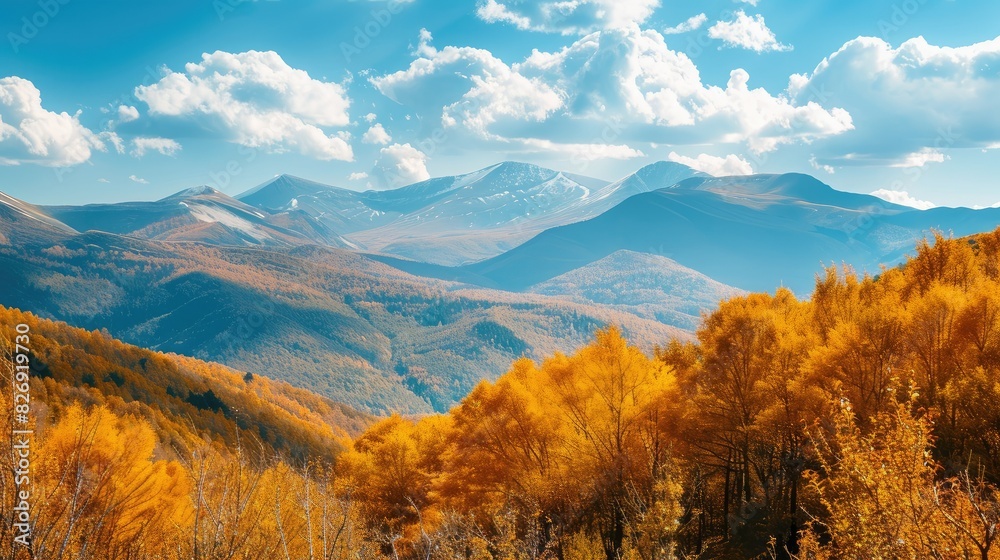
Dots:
pixel 350 328
pixel 751 232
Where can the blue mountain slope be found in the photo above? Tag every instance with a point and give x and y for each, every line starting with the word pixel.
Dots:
pixel 754 233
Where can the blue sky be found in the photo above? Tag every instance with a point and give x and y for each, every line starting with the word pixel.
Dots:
pixel 124 100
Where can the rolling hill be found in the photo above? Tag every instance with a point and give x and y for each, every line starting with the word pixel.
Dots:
pixel 21 222
pixel 345 326
pixel 259 283
pixel 197 214
pixel 754 233
pixel 445 220
pixel 643 284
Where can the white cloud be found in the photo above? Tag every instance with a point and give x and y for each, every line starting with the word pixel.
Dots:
pixel 257 100
pixel 31 134
pixel 370 117
pixel 399 165
pixel 751 2
pixel 910 104
pixel 920 158
pixel 112 138
pixel 566 16
pixel 137 179
pixel 165 146
pixel 732 164
pixel 748 32
pixel 615 87
pixel 376 135
pixel 103 180
pixel 492 11
pixel 491 90
pixel 360 176
pixel 903 198
pixel 127 113
pixel 583 152
pixel 690 24
pixel 821 167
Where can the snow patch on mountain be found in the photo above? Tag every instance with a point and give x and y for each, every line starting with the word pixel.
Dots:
pixel 206 213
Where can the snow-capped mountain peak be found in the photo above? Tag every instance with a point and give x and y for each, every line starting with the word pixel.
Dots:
pixel 202 190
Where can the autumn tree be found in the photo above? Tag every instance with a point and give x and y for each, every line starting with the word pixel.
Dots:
pixel 861 348
pixel 882 497
pixel 100 494
pixel 503 464
pixel 751 400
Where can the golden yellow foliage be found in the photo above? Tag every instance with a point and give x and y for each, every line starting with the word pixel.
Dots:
pixel 863 423
pixel 100 493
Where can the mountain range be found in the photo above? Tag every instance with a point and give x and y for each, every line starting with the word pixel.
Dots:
pixel 458 219
pixel 335 321
pixel 751 232
pixel 404 299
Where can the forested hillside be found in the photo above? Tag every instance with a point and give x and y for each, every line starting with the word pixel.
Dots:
pixel 862 423
pixel 347 327
pixel 190 402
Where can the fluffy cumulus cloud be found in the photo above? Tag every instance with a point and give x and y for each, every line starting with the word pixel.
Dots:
pixel 137 179
pixel 165 146
pixel 257 100
pixel 690 24
pixel 566 16
pixel 376 135
pixel 910 104
pixel 399 165
pixel 31 134
pixel 603 93
pixel 747 32
pixel 732 164
pixel 357 176
pixel 903 198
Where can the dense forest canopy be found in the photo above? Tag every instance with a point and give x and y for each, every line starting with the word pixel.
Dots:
pixel 861 423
